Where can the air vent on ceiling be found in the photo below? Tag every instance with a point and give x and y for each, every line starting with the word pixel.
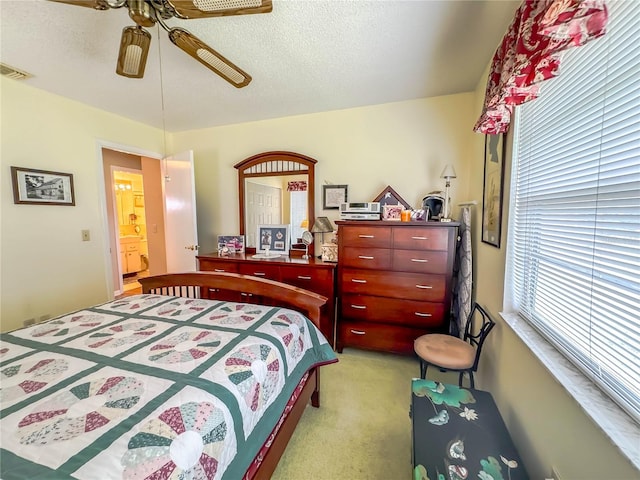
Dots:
pixel 10 72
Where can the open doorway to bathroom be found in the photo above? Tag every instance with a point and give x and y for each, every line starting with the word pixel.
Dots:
pixel 132 226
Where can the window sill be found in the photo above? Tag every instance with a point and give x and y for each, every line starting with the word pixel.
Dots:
pixel 619 427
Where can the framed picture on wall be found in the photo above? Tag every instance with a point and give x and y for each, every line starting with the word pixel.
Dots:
pixel 42 187
pixel 333 196
pixel 494 150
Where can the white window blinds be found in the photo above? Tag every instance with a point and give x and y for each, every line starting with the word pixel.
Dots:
pixel 574 236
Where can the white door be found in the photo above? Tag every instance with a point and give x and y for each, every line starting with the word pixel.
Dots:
pixel 181 234
pixel 263 208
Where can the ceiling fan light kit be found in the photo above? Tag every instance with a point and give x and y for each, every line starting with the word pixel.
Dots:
pixel 134 48
pixel 135 41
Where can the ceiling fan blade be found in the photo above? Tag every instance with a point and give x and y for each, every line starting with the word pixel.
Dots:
pixel 96 4
pixel 209 57
pixel 218 8
pixel 134 47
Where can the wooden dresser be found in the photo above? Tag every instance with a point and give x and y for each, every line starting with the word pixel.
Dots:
pixel 311 274
pixel 394 282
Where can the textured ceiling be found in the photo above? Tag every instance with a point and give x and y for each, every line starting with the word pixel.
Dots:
pixel 305 56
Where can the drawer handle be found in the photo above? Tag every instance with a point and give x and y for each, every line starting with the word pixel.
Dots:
pixel 366 236
pixel 420 238
pixel 356 280
pixel 358 332
pixel 365 257
pixel 359 307
pixel 218 270
pixel 419 260
pixel 246 294
pixel 259 274
pixel 304 277
pixel 426 287
pixel 418 314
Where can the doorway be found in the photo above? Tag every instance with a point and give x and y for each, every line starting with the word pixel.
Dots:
pixel 132 226
pixel 131 252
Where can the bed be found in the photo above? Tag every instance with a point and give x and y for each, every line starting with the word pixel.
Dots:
pixel 181 381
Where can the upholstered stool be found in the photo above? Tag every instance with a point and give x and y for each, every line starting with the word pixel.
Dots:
pixel 451 353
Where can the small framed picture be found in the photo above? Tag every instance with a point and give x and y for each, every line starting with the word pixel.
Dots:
pixel 273 238
pixel 233 243
pixel 392 212
pixel 42 187
pixel 333 196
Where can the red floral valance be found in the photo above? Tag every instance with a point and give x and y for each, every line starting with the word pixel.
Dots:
pixel 297 186
pixel 530 53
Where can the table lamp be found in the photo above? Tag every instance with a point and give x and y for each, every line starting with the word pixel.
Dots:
pixel 448 173
pixel 322 225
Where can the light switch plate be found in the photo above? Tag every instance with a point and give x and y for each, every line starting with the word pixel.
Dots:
pixel 86 235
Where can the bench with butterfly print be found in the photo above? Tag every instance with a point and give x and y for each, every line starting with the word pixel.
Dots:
pixel 458 433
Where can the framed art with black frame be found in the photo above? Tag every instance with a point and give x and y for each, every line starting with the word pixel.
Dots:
pixel 494 151
pixel 333 196
pixel 42 187
pixel 273 239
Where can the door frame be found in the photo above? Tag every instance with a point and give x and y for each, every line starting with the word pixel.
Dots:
pixel 110 235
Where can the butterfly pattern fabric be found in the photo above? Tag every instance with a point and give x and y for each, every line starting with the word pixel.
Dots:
pixel 458 435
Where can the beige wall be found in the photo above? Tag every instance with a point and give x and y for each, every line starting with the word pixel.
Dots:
pixel 46 267
pixel 405 145
pixel 547 425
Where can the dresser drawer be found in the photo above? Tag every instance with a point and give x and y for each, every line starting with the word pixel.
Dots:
pixel 421 238
pixel 316 280
pixel 410 313
pixel 365 236
pixel 376 336
pixel 410 286
pixel 260 269
pixel 358 257
pixel 420 261
pixel 207 265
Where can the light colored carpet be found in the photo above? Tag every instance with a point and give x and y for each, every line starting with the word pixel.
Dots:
pixel 362 428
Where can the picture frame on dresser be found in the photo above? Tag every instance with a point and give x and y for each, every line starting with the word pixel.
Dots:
pixel 234 243
pixel 389 196
pixel 273 239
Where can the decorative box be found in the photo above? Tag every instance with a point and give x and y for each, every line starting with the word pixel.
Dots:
pixel 329 252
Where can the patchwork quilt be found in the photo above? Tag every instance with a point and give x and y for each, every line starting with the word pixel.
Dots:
pixel 150 386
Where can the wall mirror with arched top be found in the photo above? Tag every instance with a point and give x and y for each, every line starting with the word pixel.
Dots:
pixel 276 188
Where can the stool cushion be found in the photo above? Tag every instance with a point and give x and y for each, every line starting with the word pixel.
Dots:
pixel 445 351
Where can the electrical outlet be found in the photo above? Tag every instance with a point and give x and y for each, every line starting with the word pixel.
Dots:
pixel 86 235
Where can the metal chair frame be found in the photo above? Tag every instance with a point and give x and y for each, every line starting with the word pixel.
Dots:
pixel 475 339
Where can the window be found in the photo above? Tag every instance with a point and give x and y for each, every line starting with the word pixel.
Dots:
pixel 574 236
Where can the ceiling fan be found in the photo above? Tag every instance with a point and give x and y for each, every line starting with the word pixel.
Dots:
pixel 135 40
